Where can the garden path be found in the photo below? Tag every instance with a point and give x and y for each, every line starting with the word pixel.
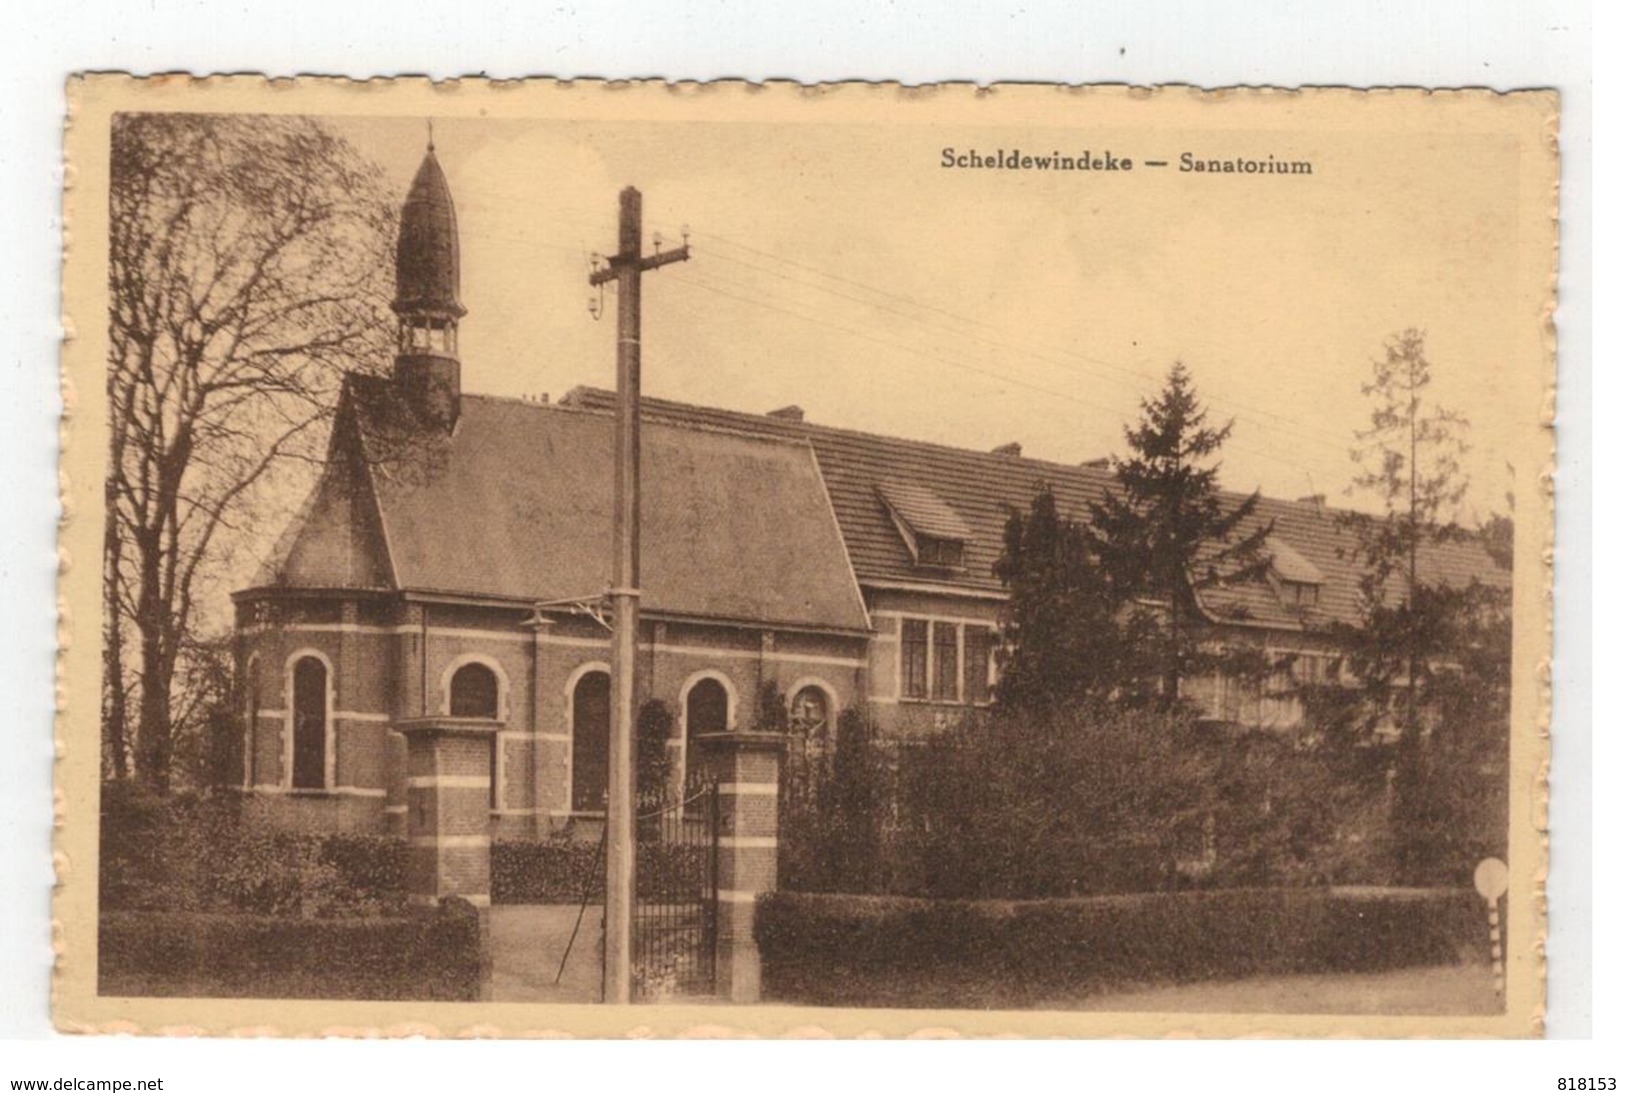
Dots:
pixel 527 942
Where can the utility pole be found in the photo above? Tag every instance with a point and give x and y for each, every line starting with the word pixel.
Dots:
pixel 625 268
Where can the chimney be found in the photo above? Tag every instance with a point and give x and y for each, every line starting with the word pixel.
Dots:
pixel 788 413
pixel 1012 449
pixel 1100 464
pixel 1316 499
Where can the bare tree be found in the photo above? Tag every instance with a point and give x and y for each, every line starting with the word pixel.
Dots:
pixel 1409 460
pixel 249 267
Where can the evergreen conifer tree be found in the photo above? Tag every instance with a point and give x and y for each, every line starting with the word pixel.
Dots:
pixel 1163 534
pixel 1060 642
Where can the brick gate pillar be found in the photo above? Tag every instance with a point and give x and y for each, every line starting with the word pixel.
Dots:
pixel 448 820
pixel 746 767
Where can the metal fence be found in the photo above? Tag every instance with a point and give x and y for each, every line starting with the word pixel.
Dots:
pixel 674 910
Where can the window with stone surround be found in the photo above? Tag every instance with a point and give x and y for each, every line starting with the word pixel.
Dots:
pixel 978 665
pixel 309 724
pixel 707 709
pixel 945 661
pixel 251 723
pixel 809 718
pixel 916 654
pixel 474 691
pixel 589 743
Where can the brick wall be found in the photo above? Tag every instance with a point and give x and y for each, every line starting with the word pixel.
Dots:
pixel 393 661
pixel 896 713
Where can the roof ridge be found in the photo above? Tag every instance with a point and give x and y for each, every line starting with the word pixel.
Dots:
pixel 521 400
pixel 765 421
pixel 604 412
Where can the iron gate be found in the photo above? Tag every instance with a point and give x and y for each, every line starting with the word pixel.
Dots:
pixel 674 910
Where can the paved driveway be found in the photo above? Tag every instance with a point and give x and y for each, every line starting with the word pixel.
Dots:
pixel 527 943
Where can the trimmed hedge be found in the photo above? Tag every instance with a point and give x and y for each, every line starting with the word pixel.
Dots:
pixel 890 951
pixel 544 870
pixel 429 957
pixel 557 870
pixel 373 866
pixel 199 854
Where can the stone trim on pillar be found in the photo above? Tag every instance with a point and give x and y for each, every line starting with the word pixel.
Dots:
pixel 448 822
pixel 745 766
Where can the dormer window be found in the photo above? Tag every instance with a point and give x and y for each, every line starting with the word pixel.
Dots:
pixel 942 552
pixel 1300 594
pixel 933 532
pixel 1297 580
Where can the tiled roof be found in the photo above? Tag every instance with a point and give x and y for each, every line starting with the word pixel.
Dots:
pixel 746 517
pixel 515 503
pixel 982 488
pixel 335 540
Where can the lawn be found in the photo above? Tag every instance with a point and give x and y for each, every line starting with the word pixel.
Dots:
pixel 529 940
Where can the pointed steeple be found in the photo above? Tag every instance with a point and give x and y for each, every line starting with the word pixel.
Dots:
pixel 427 281
pixel 427 263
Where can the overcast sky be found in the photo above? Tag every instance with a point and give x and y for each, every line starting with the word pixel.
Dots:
pixel 843 269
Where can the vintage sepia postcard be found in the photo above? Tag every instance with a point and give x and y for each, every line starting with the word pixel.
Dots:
pixel 644 559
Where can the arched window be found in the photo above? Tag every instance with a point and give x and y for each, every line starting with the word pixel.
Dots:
pixel 707 708
pixel 809 717
pixel 309 724
pixel 251 723
pixel 474 692
pixel 589 743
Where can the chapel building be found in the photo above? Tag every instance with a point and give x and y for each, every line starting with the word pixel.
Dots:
pixel 451 557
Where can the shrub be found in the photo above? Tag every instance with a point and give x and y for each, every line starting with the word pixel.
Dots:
pixel 427 957
pixel 1002 806
pixel 837 812
pixel 189 852
pixel 374 865
pixel 556 870
pixel 565 870
pixel 1089 801
pixel 671 871
pixel 654 730
pixel 1093 801
pixel 890 951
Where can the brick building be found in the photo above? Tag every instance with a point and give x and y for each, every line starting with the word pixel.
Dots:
pixel 447 563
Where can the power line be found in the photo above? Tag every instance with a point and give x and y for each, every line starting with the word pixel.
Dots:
pixel 1243 411
pixel 1288 427
pixel 936 357
pixel 945 358
pixel 939 358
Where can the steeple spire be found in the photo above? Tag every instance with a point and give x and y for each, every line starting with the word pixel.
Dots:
pixel 427 282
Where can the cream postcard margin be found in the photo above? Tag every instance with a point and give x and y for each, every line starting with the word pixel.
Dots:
pixel 1340 119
